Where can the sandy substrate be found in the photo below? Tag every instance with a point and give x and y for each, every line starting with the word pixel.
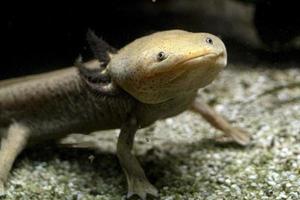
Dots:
pixel 179 154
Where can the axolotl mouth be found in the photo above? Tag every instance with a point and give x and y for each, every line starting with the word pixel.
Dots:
pixel 200 66
pixel 197 71
pixel 219 59
pixel 207 60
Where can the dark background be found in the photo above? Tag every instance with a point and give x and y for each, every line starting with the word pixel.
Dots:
pixel 44 36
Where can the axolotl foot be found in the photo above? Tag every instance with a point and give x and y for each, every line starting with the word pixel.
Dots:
pixel 141 187
pixel 235 135
pixel 2 189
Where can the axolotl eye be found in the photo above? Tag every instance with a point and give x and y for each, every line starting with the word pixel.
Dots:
pixel 209 40
pixel 161 56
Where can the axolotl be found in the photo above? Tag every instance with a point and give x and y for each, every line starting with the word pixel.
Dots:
pixel 154 77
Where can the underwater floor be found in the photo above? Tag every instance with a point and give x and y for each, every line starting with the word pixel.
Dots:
pixel 179 154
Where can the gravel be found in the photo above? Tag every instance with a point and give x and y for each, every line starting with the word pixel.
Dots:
pixel 180 155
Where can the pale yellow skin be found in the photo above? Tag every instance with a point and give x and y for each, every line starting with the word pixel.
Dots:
pixel 160 72
pixel 191 63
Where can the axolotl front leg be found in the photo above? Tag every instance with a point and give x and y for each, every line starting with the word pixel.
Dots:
pixel 13 141
pixel 137 181
pixel 100 83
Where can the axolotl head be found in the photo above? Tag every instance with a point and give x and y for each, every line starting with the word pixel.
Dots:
pixel 160 66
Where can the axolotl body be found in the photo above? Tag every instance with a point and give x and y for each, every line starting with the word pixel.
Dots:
pixel 154 77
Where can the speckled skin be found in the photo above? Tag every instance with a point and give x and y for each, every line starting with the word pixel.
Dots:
pixel 49 109
pixel 51 105
pixel 54 104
